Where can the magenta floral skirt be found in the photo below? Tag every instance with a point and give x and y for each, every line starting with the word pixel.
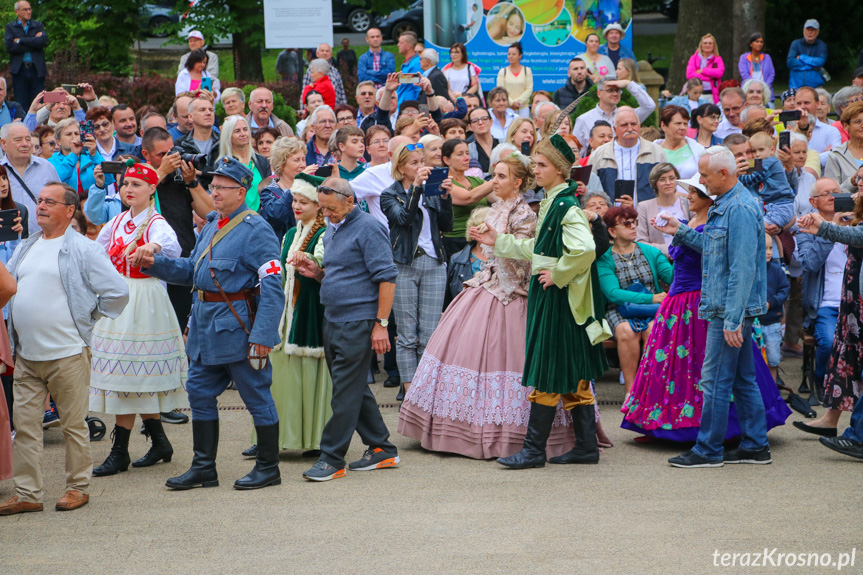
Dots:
pixel 666 397
pixel 467 396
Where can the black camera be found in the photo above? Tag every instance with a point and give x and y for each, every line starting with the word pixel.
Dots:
pixel 199 161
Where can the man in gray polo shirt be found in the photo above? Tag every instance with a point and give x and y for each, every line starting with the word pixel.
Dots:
pixel 357 287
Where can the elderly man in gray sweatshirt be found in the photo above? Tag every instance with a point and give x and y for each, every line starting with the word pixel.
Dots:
pixel 357 286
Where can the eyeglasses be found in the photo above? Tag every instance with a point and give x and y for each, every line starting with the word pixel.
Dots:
pixel 217 188
pixel 101 125
pixel 379 142
pixel 325 123
pixel 628 223
pixel 856 121
pixel 481 120
pixel 51 144
pixel 669 180
pixel 50 203
pixel 413 147
pixel 327 191
pixel 345 120
pixel 824 195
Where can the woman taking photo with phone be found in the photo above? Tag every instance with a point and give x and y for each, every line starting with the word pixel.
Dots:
pixel 416 222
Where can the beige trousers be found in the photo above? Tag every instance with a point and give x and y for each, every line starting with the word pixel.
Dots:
pixel 583 396
pixel 68 382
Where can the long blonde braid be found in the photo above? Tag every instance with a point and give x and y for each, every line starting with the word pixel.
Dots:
pixel 151 209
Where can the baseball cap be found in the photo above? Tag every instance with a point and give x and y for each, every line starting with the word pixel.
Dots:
pixel 858 72
pixel 812 23
pixel 195 34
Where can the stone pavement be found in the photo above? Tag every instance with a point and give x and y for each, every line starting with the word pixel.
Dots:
pixel 437 513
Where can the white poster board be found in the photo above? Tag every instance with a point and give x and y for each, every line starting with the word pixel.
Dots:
pixel 298 23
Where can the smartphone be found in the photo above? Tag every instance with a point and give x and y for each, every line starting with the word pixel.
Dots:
pixel 580 174
pixel 207 84
pixel 525 148
pixel 53 97
pixel 754 165
pixel 785 140
pixel 113 167
pixel 73 89
pixel 624 188
pixel 86 127
pixel 841 203
pixel 409 78
pixel 792 116
pixel 435 179
pixel 7 220
pixel 324 171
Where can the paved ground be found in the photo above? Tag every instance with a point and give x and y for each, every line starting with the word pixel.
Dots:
pixel 436 513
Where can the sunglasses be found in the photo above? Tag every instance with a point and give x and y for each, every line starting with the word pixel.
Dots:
pixel 413 147
pixel 327 191
pixel 628 223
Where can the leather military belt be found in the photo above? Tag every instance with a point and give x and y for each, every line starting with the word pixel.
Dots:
pixel 214 296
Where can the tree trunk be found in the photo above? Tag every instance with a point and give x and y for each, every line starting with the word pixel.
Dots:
pixel 749 16
pixel 697 18
pixel 247 60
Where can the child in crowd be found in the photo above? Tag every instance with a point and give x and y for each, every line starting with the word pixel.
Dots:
pixel 771 183
pixel 771 322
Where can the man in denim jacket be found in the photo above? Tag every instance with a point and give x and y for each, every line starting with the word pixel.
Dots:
pixel 733 293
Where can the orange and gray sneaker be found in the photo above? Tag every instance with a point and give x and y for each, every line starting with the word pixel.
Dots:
pixel 323 471
pixel 375 458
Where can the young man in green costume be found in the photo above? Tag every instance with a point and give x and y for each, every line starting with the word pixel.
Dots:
pixel 565 310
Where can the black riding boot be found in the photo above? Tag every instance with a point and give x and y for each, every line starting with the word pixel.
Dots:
pixel 118 460
pixel 266 470
pixel 160 448
pixel 532 454
pixel 202 473
pixel 586 450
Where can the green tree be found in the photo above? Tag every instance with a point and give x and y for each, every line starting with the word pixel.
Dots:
pixel 102 34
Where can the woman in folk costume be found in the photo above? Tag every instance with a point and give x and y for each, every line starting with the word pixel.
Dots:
pixel 139 360
pixel 467 396
pixel 302 388
pixel 565 321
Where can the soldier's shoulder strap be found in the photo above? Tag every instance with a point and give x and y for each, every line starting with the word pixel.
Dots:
pixel 226 229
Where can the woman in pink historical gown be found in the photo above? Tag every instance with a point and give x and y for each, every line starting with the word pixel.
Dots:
pixel 467 396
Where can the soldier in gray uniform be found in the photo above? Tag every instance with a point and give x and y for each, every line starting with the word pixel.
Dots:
pixel 236 278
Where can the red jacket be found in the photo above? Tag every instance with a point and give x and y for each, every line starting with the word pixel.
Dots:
pixel 325 87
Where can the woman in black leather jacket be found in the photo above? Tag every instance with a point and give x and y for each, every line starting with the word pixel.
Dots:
pixel 416 222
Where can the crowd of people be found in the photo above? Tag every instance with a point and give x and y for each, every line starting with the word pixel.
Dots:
pixel 497 255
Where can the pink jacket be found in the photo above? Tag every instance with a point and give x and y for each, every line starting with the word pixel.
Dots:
pixel 712 73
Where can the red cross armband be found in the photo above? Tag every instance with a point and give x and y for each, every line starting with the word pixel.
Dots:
pixel 271 268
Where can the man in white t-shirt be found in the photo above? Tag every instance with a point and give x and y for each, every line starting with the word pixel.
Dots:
pixel 369 185
pixel 65 283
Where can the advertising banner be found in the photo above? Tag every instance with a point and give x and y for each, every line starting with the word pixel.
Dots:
pixel 297 23
pixel 551 32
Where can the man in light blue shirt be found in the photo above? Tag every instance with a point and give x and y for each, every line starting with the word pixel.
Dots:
pixel 406 46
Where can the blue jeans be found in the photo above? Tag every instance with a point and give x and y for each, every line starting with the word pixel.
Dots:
pixel 773 343
pixel 855 430
pixel 825 327
pixel 728 370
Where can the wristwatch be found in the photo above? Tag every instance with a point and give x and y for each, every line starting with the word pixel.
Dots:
pixel 384 322
pixel 193 184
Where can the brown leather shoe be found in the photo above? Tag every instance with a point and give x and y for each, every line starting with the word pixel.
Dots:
pixel 72 500
pixel 16 505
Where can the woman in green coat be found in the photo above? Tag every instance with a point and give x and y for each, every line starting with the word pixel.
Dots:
pixel 302 388
pixel 629 262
